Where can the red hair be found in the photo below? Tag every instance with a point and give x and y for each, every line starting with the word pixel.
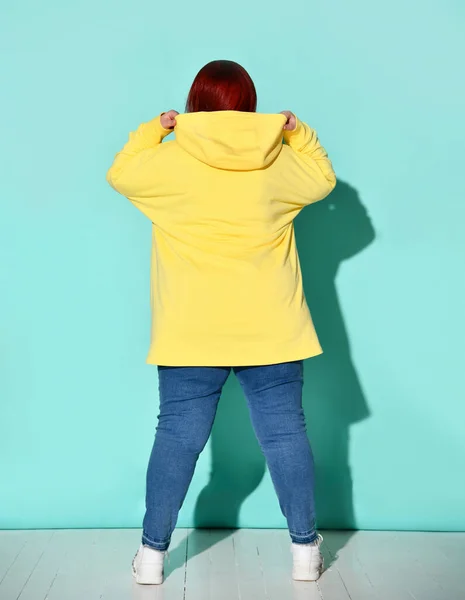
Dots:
pixel 222 85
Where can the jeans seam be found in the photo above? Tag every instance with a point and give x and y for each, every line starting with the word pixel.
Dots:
pixel 147 538
pixel 308 539
pixel 305 534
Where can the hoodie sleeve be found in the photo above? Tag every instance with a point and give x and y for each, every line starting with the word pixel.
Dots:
pixel 143 144
pixel 317 178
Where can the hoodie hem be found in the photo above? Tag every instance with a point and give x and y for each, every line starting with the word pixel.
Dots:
pixel 228 360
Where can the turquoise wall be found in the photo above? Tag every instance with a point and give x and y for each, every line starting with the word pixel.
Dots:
pixel 383 258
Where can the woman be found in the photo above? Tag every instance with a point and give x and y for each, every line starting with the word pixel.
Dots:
pixel 226 292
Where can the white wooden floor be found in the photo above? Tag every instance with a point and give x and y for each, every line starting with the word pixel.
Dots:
pixel 250 564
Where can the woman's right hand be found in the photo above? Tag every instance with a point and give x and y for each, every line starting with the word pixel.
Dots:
pixel 291 122
pixel 168 119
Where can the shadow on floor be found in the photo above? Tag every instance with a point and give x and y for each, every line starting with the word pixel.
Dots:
pixel 329 232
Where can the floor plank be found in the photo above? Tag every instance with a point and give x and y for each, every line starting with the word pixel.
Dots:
pixel 84 565
pixel 339 557
pixel 331 585
pixel 385 567
pixel 210 572
pixel 12 543
pixel 231 565
pixel 249 574
pixel 436 563
pixel 24 563
pixel 41 578
pixel 223 575
pixel 276 563
pixel 198 566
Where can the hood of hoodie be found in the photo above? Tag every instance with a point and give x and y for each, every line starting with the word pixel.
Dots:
pixel 232 140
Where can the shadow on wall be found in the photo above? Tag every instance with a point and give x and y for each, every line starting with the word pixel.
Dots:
pixel 328 233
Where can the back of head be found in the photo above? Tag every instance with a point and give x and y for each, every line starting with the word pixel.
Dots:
pixel 222 85
pixel 221 128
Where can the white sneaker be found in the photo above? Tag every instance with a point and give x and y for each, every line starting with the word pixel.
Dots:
pixel 308 560
pixel 147 565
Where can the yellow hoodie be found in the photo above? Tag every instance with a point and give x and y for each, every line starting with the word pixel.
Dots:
pixel 226 282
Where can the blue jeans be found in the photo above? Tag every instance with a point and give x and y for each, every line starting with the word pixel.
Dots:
pixel 188 402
